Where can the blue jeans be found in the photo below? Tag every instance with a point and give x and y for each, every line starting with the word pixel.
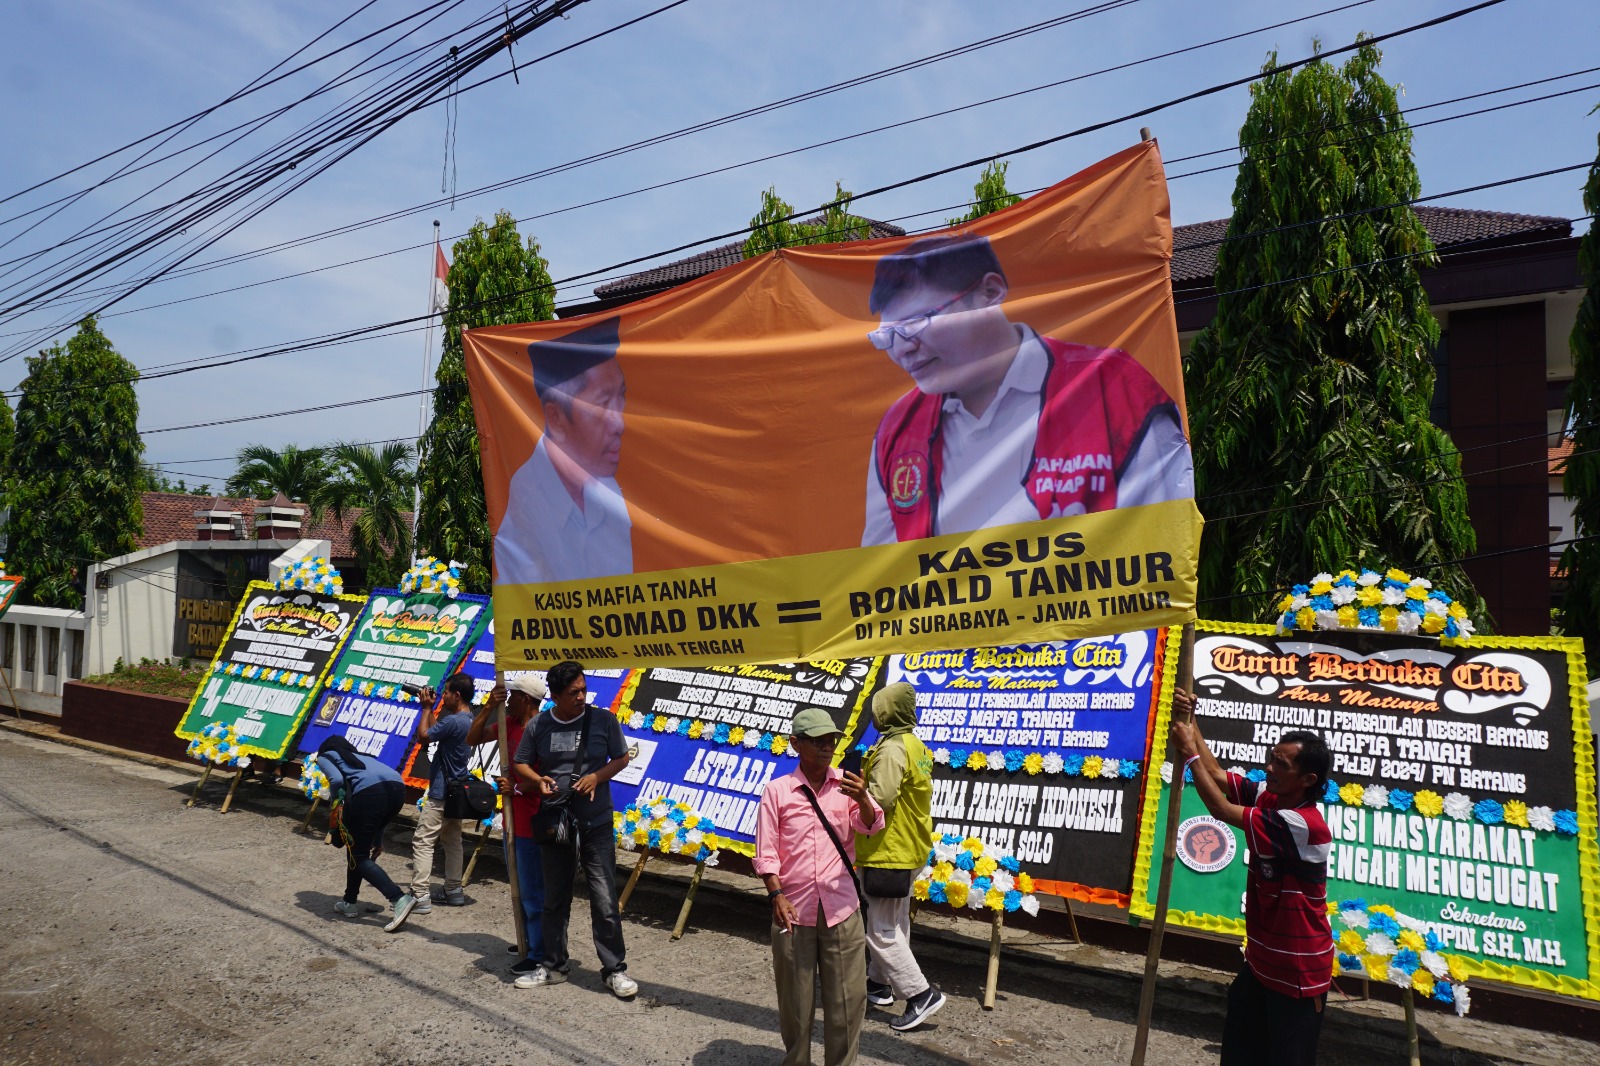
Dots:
pixel 530 879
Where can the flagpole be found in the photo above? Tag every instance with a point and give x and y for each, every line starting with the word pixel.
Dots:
pixel 427 370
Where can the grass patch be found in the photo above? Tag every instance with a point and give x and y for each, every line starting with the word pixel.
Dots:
pixel 158 678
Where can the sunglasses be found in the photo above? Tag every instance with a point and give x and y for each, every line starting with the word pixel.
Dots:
pixel 882 338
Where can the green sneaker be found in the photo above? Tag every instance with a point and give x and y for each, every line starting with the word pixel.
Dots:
pixel 402 910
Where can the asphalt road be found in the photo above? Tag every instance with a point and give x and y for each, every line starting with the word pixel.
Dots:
pixel 134 930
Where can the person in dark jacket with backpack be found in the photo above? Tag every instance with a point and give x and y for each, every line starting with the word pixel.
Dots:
pixel 369 795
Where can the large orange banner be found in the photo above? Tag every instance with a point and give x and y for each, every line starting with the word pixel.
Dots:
pixel 974 436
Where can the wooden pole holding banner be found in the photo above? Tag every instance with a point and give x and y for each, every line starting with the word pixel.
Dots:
pixel 1072 921
pixel 307 823
pixel 227 801
pixel 15 706
pixel 508 832
pixel 483 835
pixel 205 775
pixel 688 901
pixel 633 879
pixel 1169 855
pixel 993 977
pixel 1413 1041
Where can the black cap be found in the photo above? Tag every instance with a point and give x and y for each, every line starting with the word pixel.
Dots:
pixel 579 351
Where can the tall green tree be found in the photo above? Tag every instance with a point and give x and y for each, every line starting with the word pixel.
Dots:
pixel 73 475
pixel 989 194
pixel 772 230
pixel 373 485
pixel 264 471
pixel 1580 608
pixel 1309 392
pixel 495 279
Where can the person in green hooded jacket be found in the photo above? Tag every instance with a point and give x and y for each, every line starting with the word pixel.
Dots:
pixel 899 773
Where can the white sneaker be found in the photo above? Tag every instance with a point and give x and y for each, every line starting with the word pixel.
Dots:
pixel 622 986
pixel 540 977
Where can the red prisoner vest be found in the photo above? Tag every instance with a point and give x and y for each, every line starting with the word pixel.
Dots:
pixel 1094 409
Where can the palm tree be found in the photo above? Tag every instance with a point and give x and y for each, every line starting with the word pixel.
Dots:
pixel 374 485
pixel 299 473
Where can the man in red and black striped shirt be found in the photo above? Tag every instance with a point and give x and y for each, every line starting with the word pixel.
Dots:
pixel 1275 1005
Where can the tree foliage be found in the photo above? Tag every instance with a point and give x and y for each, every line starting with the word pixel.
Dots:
pixel 374 486
pixel 1580 609
pixel 301 474
pixel 73 475
pixel 494 280
pixel 773 230
pixel 1310 391
pixel 989 194
pixel 156 480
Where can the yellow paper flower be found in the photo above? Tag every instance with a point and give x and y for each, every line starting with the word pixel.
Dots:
pixel 1377 967
pixel 972 844
pixel 691 821
pixel 1389 618
pixel 736 734
pixel 1350 942
pixel 1348 617
pixel 1092 766
pixel 660 723
pixel 1321 588
pixel 1305 618
pixel 780 744
pixel 1429 803
pixel 1458 968
pixel 1033 762
pixel 1410 938
pixel 919 890
pixel 1396 574
pixel 697 727
pixel 943 870
pixel 994 899
pixel 1381 908
pixel 956 893
pixel 1422 981
pixel 1351 793
pixel 1433 623
pixel 1416 593
pixel 1369 596
pixel 641 835
pixel 1516 813
pixel 1024 884
pixel 977 760
pixel 1455 610
pixel 984 867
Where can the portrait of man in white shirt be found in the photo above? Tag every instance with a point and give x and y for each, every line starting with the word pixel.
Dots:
pixel 1004 425
pixel 565 516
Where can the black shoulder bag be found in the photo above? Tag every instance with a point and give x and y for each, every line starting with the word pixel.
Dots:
pixel 844 856
pixel 554 824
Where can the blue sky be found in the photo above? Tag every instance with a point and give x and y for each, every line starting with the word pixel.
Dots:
pixel 82 76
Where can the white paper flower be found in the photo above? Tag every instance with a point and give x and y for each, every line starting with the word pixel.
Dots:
pixel 660 810
pixel 694 837
pixel 635 720
pixel 1053 763
pixel 1322 578
pixel 1466 627
pixel 626 842
pixel 945 852
pixel 963 876
pixel 1166 773
pixel 324 795
pixel 924 874
pixel 752 738
pixel 1353 918
pixel 1369 578
pixel 1376 796
pixel 975 901
pixel 1110 768
pixel 1342 594
pixel 1399 978
pixel 1436 607
pixel 1458 806
pixel 1030 904
pixel 941 756
pixel 1004 881
pixel 1463 1000
pixel 1299 602
pixel 1408 622
pixel 1405 921
pixel 1542 818
pixel 672 725
pixel 1435 964
pixel 1379 944
pixel 711 860
pixel 1421 583
pixel 1393 597
pixel 1239 770
pixel 1327 619
pixel 996 760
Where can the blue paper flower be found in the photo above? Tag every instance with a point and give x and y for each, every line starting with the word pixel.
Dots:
pixel 1010 865
pixel 706 826
pixel 766 742
pixel 936 891
pixel 720 736
pixel 1382 923
pixel 1405 959
pixel 1346 580
pixel 1323 602
pixel 1257 775
pixel 1358 904
pixel 1489 811
pixel 1072 765
pixel 981 884
pixel 1451 629
pixel 1130 768
pixel 1444 991
pixel 1300 590
pixel 677 815
pixel 1349 963
pixel 958 757
pixel 964 860
pixel 948 838
pixel 1188 775
pixel 1014 759
pixel 1013 900
pixel 655 838
pixel 1369 616
pixel 1330 793
pixel 1566 822
pixel 1400 799
pixel 1433 942
pixel 684 725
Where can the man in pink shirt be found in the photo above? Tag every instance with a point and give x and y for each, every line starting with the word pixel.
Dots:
pixel 816 921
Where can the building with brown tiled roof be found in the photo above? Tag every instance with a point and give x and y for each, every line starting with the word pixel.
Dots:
pixel 170 516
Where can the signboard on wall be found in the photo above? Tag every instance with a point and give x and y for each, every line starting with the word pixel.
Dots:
pixel 1462 790
pixel 209 585
pixel 275 651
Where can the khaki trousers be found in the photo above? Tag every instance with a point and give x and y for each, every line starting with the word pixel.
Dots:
pixel 839 956
pixel 431 827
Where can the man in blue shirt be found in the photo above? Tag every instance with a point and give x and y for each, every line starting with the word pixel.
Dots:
pixel 450 760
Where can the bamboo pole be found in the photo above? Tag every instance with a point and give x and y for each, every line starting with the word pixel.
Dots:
pixel 307 823
pixel 15 706
pixel 1413 1041
pixel 1072 921
pixel 688 901
pixel 633 879
pixel 227 801
pixel 205 775
pixel 1169 856
pixel 483 835
pixel 508 831
pixel 993 977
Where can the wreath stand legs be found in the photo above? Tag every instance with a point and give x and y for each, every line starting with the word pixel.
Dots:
pixel 307 823
pixel 483 835
pixel 993 977
pixel 205 775
pixel 688 900
pixel 227 801
pixel 633 879
pixel 1413 1041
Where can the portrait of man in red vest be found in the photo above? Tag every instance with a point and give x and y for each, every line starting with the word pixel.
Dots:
pixel 1004 425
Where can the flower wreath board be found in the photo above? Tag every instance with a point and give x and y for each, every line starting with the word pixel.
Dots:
pixel 273 659
pixel 604 688
pixel 712 737
pixel 1461 791
pixel 401 638
pixel 1038 751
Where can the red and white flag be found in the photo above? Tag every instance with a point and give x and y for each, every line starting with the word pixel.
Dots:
pixel 441 278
